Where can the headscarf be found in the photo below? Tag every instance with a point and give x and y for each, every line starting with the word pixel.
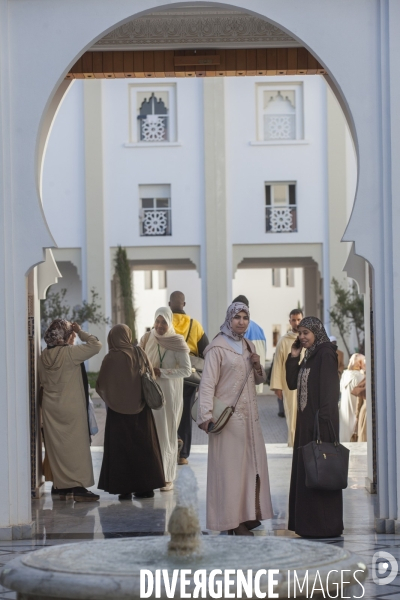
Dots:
pixel 58 332
pixel 226 327
pixel 317 328
pixel 119 381
pixel 169 341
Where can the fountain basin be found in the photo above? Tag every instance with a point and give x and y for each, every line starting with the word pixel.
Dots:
pixel 110 569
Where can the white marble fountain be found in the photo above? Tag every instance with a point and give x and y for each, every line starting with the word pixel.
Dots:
pixel 110 569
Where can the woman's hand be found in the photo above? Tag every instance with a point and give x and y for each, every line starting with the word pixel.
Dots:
pixel 255 361
pixel 204 426
pixel 295 353
pixel 76 327
pixel 157 371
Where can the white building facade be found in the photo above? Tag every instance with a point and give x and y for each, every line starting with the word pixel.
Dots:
pixel 152 194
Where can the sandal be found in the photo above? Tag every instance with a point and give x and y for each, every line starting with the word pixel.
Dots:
pixel 252 524
pixel 125 497
pixel 81 494
pixel 149 494
pixel 63 494
pixel 241 530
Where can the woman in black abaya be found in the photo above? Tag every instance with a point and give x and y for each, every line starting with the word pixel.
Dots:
pixel 313 513
pixel 132 461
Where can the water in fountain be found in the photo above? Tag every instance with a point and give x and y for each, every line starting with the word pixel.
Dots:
pixel 184 525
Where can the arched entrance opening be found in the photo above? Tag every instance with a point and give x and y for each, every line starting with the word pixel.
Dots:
pixel 114 65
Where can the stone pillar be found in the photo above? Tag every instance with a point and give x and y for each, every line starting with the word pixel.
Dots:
pixel 218 272
pixel 95 233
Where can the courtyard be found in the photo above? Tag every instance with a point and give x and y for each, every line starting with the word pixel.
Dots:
pixel 61 522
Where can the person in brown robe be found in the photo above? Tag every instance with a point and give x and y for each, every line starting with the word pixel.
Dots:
pixel 132 461
pixel 313 513
pixel 64 409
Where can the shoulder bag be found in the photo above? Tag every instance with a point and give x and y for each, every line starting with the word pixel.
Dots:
pixel 221 412
pixel 326 464
pixel 152 392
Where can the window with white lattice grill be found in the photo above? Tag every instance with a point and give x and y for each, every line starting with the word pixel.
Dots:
pixel 155 210
pixel 280 207
pixel 279 112
pixel 152 114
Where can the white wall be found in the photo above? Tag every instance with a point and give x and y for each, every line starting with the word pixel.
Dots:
pixel 71 282
pixel 180 166
pixel 63 182
pixel 189 283
pixel 145 301
pixel 250 166
pixel 269 305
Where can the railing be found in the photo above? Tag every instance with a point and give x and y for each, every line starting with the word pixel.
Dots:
pixel 155 221
pixel 281 220
pixel 153 128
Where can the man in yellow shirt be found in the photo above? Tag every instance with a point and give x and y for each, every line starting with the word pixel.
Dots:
pixel 197 341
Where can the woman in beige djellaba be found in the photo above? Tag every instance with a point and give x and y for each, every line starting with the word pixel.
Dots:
pixel 65 410
pixel 238 492
pixel 169 355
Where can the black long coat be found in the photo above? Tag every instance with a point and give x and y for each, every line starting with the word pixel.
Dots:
pixel 315 513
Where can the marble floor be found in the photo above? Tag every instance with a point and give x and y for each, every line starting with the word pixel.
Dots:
pixel 59 522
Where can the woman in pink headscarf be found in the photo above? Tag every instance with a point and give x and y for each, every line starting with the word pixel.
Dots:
pixel 238 493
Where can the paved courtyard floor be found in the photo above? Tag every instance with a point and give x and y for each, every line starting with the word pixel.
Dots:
pixel 61 522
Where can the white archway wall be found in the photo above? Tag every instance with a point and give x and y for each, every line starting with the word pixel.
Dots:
pixel 372 226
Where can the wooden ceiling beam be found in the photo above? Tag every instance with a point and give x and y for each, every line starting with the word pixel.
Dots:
pixel 195 63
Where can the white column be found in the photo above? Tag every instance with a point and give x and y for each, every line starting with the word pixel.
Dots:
pixel 391 38
pixel 95 233
pixel 218 272
pixel 15 248
pixel 386 281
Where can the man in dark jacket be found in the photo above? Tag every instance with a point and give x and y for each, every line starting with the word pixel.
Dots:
pixel 197 341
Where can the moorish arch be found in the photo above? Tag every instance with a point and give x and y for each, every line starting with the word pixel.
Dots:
pixel 46 58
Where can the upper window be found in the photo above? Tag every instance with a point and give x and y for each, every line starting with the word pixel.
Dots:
pixel 155 210
pixel 280 208
pixel 279 112
pixel 152 114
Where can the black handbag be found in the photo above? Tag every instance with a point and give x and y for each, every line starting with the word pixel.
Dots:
pixel 326 463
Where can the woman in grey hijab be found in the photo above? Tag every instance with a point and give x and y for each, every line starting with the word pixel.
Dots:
pixel 238 492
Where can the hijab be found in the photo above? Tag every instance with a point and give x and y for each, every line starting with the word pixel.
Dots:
pixel 317 328
pixel 119 381
pixel 169 341
pixel 226 327
pixel 58 333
